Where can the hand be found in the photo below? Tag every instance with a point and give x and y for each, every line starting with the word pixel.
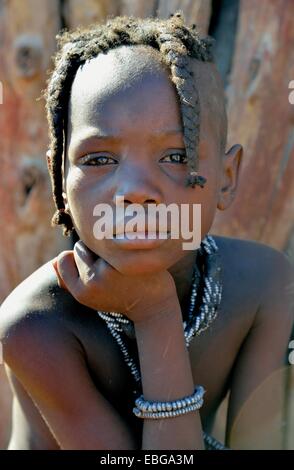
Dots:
pixel 95 283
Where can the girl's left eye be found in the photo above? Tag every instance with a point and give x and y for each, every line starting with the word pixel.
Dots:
pixel 97 160
pixel 175 158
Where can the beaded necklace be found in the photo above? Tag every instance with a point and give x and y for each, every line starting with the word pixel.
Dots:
pixel 206 293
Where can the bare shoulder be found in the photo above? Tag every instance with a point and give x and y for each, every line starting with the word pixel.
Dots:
pixel 38 293
pixel 256 270
pixel 35 315
pixel 254 257
pixel 251 253
pixel 31 294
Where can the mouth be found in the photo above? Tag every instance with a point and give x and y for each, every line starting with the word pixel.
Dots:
pixel 140 240
pixel 142 234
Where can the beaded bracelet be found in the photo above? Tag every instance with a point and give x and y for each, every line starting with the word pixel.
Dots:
pixel 167 414
pixel 156 410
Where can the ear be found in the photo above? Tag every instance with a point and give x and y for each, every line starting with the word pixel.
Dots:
pixel 231 169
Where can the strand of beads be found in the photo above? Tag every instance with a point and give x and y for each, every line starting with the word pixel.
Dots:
pixel 212 292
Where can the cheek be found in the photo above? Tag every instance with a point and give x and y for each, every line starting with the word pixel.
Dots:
pixel 208 198
pixel 82 198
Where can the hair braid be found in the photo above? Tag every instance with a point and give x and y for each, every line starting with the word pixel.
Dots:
pixel 176 56
pixel 56 118
pixel 175 42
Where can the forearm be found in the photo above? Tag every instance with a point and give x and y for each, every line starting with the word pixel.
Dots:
pixel 166 375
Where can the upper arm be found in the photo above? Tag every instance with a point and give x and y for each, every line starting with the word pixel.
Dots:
pixel 49 362
pixel 257 387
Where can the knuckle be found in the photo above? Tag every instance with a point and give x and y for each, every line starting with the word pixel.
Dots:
pixel 79 293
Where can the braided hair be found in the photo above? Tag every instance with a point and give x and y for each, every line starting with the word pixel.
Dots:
pixel 174 40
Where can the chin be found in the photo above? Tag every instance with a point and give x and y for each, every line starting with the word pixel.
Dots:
pixel 136 264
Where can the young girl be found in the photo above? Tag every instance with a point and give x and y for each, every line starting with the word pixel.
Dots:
pixel 133 344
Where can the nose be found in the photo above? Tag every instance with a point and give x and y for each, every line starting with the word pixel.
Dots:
pixel 138 189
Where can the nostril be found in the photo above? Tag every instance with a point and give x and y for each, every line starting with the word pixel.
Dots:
pixel 137 197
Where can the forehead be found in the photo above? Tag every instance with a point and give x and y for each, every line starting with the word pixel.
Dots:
pixel 130 86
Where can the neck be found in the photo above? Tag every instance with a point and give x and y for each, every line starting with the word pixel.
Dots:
pixel 182 273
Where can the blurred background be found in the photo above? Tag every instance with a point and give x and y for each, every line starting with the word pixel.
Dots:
pixel 254 52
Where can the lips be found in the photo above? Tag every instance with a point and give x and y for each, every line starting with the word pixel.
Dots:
pixel 141 234
pixel 140 240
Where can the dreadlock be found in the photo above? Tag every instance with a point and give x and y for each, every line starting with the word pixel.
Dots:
pixel 175 41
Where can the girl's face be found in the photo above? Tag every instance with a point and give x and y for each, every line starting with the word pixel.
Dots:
pixel 125 139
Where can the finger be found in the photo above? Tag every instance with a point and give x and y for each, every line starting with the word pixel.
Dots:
pixel 91 265
pixel 67 270
pixel 85 260
pixel 59 278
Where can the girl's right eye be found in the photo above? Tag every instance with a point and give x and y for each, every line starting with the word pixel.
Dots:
pixel 93 159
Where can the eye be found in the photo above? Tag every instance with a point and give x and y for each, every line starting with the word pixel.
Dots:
pixel 175 157
pixel 93 159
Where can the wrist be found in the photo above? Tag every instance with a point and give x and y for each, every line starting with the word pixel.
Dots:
pixel 158 313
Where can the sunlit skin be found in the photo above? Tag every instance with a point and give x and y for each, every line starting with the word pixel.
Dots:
pixel 69 379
